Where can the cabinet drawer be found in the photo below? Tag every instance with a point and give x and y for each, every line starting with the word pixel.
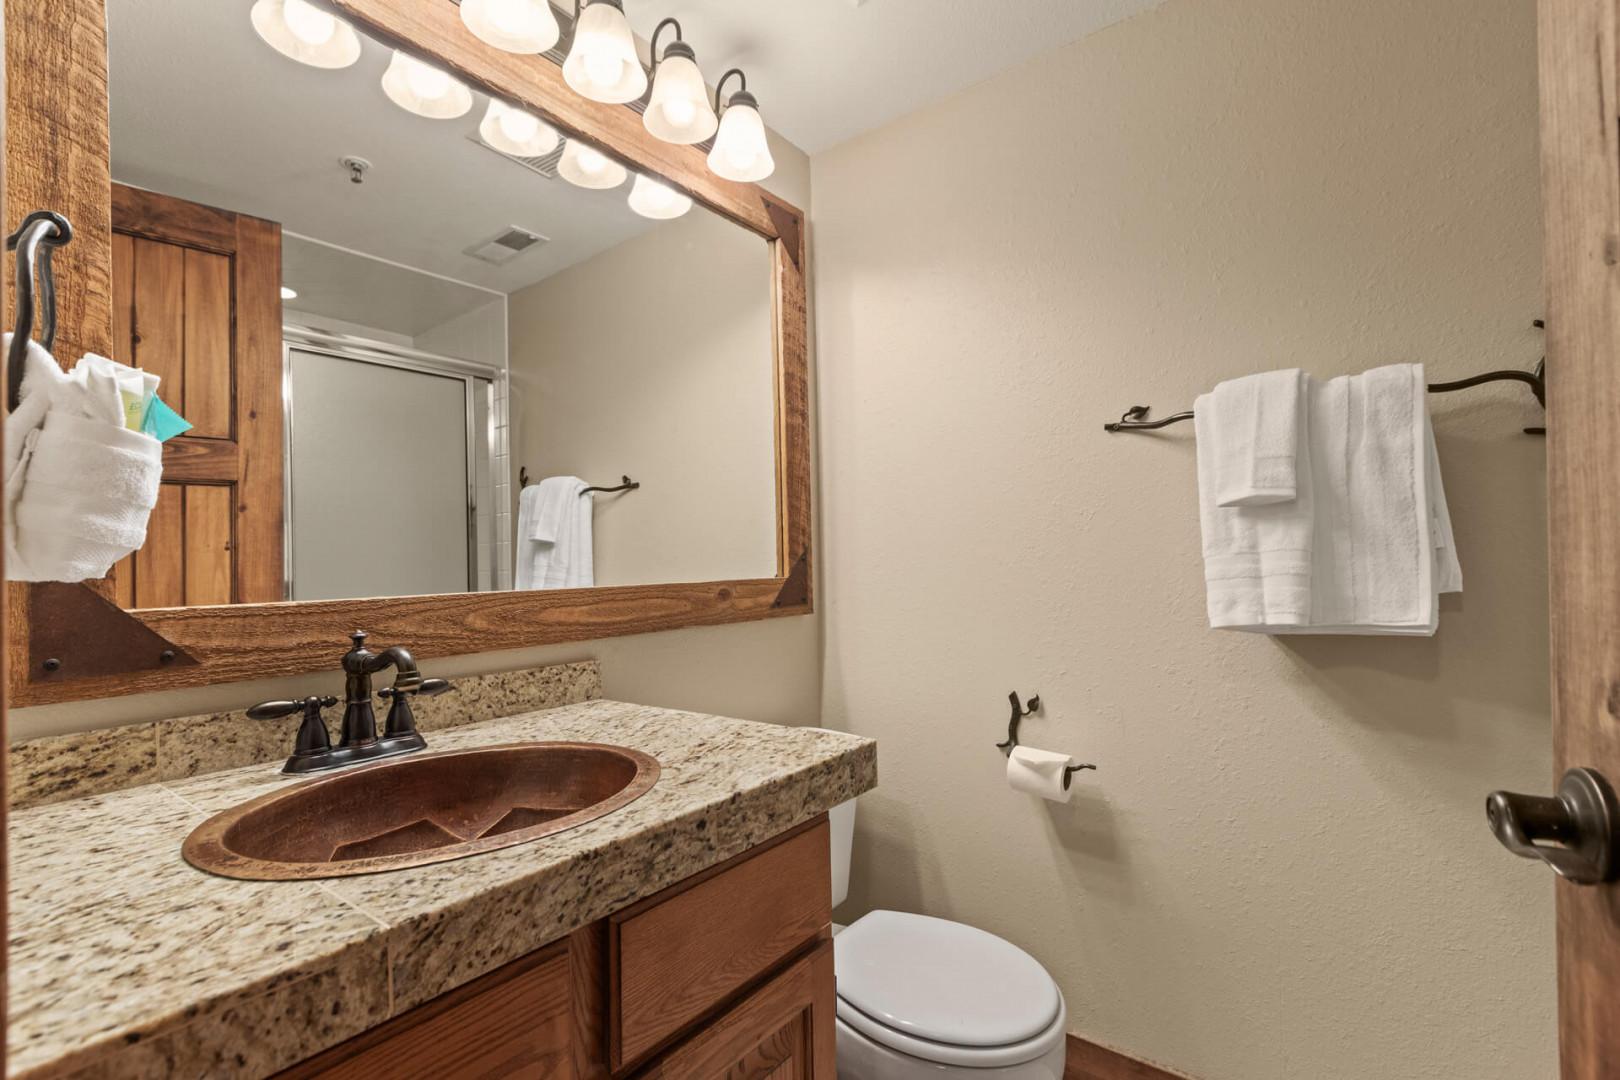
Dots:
pixel 677 955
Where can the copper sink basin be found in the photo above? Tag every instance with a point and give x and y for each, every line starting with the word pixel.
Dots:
pixel 421 809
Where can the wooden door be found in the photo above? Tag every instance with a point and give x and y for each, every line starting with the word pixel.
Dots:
pixel 197 301
pixel 785 1030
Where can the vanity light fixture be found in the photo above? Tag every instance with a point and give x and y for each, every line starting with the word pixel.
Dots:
pixel 602 63
pixel 679 111
pixel 657 200
pixel 514 26
pixel 587 167
pixel 419 87
pixel 516 132
pixel 299 30
pixel 741 151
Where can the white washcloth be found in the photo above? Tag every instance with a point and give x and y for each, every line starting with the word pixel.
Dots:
pixel 554 541
pixel 1380 547
pixel 1256 441
pixel 79 485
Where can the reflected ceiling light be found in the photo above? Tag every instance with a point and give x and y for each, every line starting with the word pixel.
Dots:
pixel 679 111
pixel 288 294
pixel 301 31
pixel 514 26
pixel 602 63
pixel 421 88
pixel 587 167
pixel 653 199
pixel 741 151
pixel 513 131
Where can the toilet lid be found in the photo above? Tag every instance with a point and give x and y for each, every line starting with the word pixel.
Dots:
pixel 943 981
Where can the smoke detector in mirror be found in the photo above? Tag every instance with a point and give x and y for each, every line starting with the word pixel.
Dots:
pixel 506 245
pixel 357 167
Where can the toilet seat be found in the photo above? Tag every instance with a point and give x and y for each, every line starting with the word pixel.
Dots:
pixel 945 992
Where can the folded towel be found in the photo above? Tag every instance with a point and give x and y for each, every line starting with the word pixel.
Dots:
pixel 1380 547
pixel 79 485
pixel 555 540
pixel 1256 438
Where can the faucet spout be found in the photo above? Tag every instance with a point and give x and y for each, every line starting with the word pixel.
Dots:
pixel 359 665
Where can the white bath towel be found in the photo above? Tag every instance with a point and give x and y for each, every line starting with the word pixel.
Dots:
pixel 79 485
pixel 1381 549
pixel 1256 440
pixel 554 548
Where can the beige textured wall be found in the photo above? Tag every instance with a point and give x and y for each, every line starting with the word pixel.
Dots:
pixel 1281 870
pixel 655 359
pixel 766 670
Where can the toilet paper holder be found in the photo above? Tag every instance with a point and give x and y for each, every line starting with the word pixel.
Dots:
pixel 1018 713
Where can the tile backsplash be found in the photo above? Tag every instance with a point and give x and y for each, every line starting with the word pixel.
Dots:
pixel 61 767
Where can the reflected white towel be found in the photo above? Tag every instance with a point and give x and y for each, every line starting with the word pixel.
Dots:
pixel 554 548
pixel 79 485
pixel 1256 438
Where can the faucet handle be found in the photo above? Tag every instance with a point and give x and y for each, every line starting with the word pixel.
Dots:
pixel 275 710
pixel 314 743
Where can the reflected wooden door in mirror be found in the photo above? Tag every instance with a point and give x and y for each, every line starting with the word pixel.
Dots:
pixel 375 312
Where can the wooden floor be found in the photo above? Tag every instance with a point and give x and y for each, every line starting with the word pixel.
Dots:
pixel 1088 1061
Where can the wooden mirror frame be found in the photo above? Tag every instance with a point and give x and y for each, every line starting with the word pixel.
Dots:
pixel 58 157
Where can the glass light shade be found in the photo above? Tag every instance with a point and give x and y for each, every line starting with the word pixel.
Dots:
pixel 303 32
pixel 586 167
pixel 679 111
pixel 514 26
pixel 425 90
pixel 659 201
pixel 288 293
pixel 602 63
pixel 513 131
pixel 740 151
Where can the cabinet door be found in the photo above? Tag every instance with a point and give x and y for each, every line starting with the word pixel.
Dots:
pixel 782 1031
pixel 197 302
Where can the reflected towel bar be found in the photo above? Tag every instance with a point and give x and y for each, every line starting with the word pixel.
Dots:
pixel 625 484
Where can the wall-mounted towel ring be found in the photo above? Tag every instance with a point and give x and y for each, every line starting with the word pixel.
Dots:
pixel 1018 713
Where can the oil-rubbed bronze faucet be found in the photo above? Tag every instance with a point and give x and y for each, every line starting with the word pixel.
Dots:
pixel 359 741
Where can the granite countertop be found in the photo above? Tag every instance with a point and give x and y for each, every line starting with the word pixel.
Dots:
pixel 126 961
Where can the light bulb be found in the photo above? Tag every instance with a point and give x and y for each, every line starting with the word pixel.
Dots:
pixel 515 26
pixel 602 63
pixel 308 23
pixel 603 68
pixel 586 167
pixel 679 110
pixel 741 152
pixel 513 131
pixel 300 31
pixel 423 89
pixel 653 199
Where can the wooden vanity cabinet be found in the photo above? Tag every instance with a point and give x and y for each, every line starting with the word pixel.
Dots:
pixel 728 974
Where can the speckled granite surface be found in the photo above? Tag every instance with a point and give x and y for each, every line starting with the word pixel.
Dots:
pixel 127 962
pixel 93 762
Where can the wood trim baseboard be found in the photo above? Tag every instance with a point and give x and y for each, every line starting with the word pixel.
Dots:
pixel 1089 1061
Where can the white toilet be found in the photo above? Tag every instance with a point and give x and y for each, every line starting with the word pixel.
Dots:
pixel 920 997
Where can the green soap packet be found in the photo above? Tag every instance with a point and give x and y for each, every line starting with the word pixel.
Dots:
pixel 162 422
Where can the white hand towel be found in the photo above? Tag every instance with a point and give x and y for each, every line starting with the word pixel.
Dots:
pixel 1257 559
pixel 1256 442
pixel 554 536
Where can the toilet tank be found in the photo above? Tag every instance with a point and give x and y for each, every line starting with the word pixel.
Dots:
pixel 842 820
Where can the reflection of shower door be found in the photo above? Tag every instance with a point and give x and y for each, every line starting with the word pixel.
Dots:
pixel 384 458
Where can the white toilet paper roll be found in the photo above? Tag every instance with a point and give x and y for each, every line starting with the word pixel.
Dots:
pixel 1039 772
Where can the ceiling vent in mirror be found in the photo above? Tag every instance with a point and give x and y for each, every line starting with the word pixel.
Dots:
pixel 506 245
pixel 545 164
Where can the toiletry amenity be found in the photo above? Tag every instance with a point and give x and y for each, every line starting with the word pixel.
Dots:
pixel 1364 547
pixel 80 482
pixel 554 536
pixel 1255 445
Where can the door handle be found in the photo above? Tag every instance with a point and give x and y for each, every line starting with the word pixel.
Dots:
pixel 1574 832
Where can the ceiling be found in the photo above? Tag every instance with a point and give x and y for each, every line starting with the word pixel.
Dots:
pixel 204 110
pixel 827 70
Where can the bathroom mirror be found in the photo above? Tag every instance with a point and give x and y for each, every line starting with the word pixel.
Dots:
pixel 456 316
pixel 386 295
